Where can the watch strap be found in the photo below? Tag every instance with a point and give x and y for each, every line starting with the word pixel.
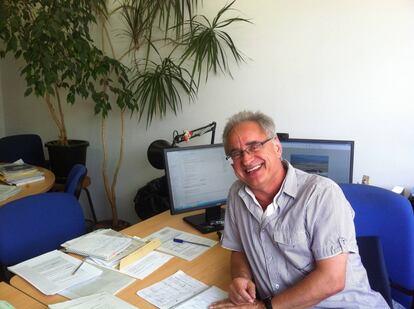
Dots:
pixel 268 302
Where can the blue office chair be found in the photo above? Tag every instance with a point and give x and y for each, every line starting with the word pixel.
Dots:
pixel 389 216
pixel 27 147
pixel 372 257
pixel 37 224
pixel 74 180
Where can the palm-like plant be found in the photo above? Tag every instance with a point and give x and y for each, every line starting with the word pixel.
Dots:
pixel 193 46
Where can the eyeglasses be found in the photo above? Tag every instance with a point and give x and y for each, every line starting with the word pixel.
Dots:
pixel 251 148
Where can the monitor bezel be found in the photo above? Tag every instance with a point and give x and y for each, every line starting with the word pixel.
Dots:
pixel 325 141
pixel 173 210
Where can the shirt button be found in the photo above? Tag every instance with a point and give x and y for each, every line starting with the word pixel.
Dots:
pixel 277 286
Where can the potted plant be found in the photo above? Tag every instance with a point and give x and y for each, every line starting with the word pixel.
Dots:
pixel 61 60
pixel 193 45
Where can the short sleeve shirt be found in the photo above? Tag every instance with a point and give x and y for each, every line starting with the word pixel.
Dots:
pixel 308 220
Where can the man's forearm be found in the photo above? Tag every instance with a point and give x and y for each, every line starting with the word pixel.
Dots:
pixel 321 283
pixel 240 266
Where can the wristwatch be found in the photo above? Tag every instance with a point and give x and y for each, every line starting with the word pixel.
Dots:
pixel 268 302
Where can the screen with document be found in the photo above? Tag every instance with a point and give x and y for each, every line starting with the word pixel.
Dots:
pixel 199 177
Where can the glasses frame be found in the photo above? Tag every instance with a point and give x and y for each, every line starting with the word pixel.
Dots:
pixel 249 149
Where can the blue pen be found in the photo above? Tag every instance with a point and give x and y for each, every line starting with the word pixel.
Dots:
pixel 181 241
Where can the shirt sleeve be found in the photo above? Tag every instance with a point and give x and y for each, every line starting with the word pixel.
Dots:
pixel 231 238
pixel 330 222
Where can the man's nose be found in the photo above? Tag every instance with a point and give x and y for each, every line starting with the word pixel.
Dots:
pixel 246 156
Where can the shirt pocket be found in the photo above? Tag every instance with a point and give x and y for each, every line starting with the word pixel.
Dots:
pixel 295 247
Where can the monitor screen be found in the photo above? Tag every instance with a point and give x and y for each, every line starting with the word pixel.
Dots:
pixel 329 158
pixel 199 177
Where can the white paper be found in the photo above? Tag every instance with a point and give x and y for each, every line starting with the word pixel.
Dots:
pixel 109 281
pixel 52 272
pixel 172 290
pixel 147 264
pixel 204 299
pixel 96 301
pixel 98 245
pixel 183 250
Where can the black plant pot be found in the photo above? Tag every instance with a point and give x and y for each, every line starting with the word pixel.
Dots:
pixel 63 157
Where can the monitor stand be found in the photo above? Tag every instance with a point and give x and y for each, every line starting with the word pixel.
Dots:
pixel 210 221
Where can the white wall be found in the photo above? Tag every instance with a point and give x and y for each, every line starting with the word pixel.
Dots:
pixel 323 69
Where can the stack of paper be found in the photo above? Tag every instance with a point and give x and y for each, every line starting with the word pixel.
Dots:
pixel 19 173
pixel 138 260
pixel 98 245
pixel 7 191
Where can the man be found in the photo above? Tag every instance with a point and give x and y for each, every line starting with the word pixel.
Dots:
pixel 291 233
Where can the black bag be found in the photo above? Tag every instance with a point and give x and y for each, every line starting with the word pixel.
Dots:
pixel 152 199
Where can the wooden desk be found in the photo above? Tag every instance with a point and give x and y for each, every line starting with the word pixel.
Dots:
pixel 17 298
pixel 212 267
pixel 34 187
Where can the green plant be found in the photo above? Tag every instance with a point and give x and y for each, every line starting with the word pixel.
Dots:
pixel 53 39
pixel 170 48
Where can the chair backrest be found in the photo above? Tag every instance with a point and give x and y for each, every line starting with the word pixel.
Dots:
pixel 74 180
pixel 372 256
pixel 383 213
pixel 37 224
pixel 27 147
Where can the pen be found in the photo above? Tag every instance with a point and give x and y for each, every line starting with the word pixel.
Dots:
pixel 77 268
pixel 181 241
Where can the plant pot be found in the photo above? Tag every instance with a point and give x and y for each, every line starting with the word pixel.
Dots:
pixel 63 157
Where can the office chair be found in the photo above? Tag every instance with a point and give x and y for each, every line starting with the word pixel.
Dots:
pixel 37 224
pixel 372 257
pixel 27 147
pixel 74 180
pixel 388 216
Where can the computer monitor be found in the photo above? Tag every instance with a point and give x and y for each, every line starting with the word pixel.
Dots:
pixel 330 158
pixel 199 177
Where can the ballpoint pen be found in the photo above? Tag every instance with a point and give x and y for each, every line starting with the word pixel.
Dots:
pixel 189 242
pixel 78 267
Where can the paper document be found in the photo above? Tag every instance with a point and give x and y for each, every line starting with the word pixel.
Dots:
pixel 183 250
pixel 204 299
pixel 179 291
pixel 147 264
pixel 52 272
pixel 96 301
pixel 109 281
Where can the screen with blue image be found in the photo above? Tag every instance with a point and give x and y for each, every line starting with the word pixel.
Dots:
pixel 329 158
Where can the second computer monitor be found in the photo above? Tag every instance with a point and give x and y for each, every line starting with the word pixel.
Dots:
pixel 330 158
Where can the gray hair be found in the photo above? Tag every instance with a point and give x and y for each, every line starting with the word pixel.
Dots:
pixel 264 121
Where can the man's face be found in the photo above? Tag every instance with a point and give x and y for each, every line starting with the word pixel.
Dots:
pixel 258 170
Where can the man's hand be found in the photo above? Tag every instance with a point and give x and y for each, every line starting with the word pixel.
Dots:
pixel 242 291
pixel 227 303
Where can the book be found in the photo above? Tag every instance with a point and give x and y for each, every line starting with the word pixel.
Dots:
pixel 7 191
pixel 181 291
